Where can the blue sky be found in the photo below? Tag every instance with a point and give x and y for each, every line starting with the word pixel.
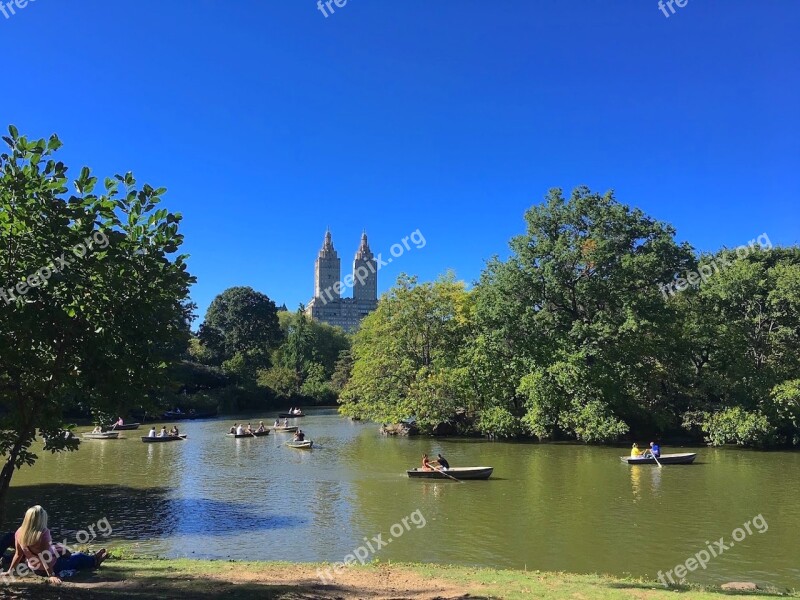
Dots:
pixel 269 122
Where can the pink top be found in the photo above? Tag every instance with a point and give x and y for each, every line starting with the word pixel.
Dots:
pixel 32 553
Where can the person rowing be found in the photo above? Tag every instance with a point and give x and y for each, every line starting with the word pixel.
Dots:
pixel 277 423
pixel 299 436
pixel 174 431
pixel 653 452
pixel 261 428
pixel 442 463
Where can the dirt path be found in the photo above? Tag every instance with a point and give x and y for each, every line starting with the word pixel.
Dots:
pixel 274 582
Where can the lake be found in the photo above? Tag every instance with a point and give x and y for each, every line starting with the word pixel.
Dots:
pixel 550 507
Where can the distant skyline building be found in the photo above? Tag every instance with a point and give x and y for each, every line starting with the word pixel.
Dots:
pixel 328 306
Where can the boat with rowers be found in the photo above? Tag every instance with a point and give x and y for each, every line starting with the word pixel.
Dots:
pixel 664 459
pixel 460 473
pixel 249 435
pixel 167 438
pixel 285 429
pixel 304 445
pixel 128 427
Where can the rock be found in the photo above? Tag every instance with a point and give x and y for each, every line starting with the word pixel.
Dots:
pixel 443 429
pixel 740 586
pixel 399 429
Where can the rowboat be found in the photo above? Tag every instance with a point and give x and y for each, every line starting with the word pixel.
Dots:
pixel 290 416
pixel 284 429
pixel 128 427
pixel 455 473
pixel 106 435
pixel 167 438
pixel 664 459
pixel 249 435
pixel 301 445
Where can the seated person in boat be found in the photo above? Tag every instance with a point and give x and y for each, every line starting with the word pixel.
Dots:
pixel 240 430
pixel 277 423
pixel 34 544
pixel 654 450
pixel 299 436
pixel 426 464
pixel 97 429
pixel 233 429
pixel 635 452
pixel 152 432
pixel 261 428
pixel 249 429
pixel 174 431
pixel 442 462
pixel 119 422
pixel 163 432
pixel 286 422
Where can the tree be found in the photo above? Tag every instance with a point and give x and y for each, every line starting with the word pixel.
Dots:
pixel 577 311
pixel 94 300
pixel 408 355
pixel 243 322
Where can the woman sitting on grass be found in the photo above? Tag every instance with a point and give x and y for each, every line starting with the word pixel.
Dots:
pixel 34 543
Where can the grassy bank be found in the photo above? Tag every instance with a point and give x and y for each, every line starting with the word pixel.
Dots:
pixel 155 578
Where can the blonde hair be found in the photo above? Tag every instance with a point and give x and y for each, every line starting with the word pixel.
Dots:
pixel 33 526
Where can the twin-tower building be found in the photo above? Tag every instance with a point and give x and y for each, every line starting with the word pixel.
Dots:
pixel 328 305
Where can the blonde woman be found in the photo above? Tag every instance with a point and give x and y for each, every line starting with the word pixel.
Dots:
pixel 34 543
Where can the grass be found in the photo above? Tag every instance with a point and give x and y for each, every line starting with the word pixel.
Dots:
pixel 205 580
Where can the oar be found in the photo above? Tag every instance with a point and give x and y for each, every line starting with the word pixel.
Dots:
pixel 660 466
pixel 441 470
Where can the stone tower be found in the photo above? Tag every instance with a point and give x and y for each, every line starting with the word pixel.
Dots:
pixel 365 288
pixel 327 271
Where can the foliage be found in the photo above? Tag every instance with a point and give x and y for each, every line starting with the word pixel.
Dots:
pixel 93 308
pixel 408 355
pixel 241 324
pixel 498 422
pixel 580 334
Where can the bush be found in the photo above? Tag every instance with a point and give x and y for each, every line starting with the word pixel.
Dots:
pixel 498 422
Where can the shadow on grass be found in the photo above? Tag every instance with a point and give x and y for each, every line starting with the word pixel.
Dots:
pixel 768 593
pixel 113 584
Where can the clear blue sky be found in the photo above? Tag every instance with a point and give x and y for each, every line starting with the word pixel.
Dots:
pixel 268 122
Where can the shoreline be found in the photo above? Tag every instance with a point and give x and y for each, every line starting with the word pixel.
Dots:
pixel 141 577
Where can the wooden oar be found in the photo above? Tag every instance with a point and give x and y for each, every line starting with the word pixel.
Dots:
pixel 660 466
pixel 441 470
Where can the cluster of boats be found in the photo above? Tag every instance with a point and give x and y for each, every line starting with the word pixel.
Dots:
pixel 300 443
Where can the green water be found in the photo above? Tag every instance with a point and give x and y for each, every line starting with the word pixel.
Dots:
pixel 547 507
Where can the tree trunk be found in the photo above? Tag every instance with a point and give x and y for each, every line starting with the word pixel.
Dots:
pixel 6 474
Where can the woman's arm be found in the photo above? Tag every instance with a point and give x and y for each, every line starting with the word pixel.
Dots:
pixel 16 560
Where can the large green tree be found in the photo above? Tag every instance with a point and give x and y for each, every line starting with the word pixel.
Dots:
pixel 240 331
pixel 94 298
pixel 573 326
pixel 408 359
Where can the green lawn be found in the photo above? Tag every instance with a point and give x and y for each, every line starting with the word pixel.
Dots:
pixel 155 578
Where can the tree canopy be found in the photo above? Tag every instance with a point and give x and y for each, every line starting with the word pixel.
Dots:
pixel 94 303
pixel 589 331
